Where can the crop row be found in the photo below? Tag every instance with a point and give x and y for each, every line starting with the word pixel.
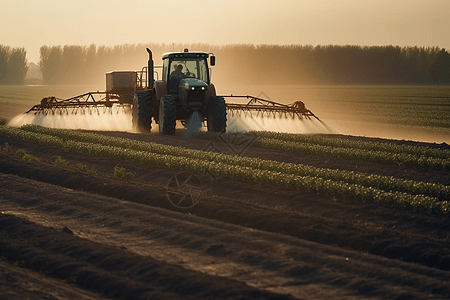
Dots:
pixel 350 149
pixel 354 153
pixel 387 183
pixel 256 173
pixel 4 121
pixel 354 144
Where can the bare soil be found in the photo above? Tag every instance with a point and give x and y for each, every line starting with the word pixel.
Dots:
pixel 68 233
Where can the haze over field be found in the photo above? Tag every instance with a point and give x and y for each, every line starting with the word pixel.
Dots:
pixel 31 24
pixel 261 46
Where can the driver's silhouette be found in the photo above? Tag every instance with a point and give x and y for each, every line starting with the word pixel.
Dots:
pixel 177 74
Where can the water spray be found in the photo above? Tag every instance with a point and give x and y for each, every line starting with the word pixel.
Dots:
pixel 194 122
pixel 264 115
pixel 116 117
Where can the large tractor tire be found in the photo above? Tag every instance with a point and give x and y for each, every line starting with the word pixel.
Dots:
pixel 142 112
pixel 167 114
pixel 217 114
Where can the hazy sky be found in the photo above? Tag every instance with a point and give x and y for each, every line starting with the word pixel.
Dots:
pixel 33 23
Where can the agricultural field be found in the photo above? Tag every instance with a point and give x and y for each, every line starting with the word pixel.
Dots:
pixel 419 113
pixel 257 215
pixel 17 99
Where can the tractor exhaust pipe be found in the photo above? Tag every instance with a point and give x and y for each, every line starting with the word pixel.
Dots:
pixel 150 70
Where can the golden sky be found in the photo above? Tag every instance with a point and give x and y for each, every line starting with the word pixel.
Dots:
pixel 33 23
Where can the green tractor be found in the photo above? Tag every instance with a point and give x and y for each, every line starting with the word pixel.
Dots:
pixel 185 88
pixel 185 92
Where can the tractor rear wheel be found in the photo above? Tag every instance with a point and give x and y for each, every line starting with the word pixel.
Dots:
pixel 142 112
pixel 217 114
pixel 167 114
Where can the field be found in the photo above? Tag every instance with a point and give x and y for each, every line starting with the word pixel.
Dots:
pixel 419 113
pixel 99 215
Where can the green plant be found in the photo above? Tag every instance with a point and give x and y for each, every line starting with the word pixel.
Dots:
pixel 28 157
pixel 25 156
pixel 121 173
pixel 313 144
pixel 60 162
pixel 21 153
pixel 5 149
pixel 81 167
pixel 3 121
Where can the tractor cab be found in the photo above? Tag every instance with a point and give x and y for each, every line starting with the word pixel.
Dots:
pixel 186 75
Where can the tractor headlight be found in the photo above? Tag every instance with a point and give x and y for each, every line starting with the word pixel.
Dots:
pixel 203 88
pixel 192 88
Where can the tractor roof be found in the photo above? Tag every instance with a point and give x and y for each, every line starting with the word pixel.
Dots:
pixel 185 54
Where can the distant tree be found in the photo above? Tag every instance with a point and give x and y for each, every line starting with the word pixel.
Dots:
pixel 259 64
pixel 13 65
pixel 440 68
pixel 5 51
pixel 50 64
pixel 72 61
pixel 17 66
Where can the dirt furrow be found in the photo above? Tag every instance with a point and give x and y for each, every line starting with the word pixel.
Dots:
pixel 267 261
pixel 393 233
pixel 24 284
pixel 111 271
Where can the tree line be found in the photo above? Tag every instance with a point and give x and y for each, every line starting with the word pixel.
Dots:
pixel 260 64
pixel 13 65
pixel 242 63
pixel 297 64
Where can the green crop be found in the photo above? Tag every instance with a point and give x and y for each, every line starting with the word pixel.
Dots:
pixel 4 121
pixel 336 183
pixel 25 156
pixel 349 149
pixel 354 144
pixel 60 162
pixel 381 182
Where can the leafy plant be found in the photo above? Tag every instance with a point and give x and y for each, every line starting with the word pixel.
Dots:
pixel 30 158
pixel 121 173
pixel 21 153
pixel 25 156
pixel 3 121
pixel 81 167
pixel 5 149
pixel 61 162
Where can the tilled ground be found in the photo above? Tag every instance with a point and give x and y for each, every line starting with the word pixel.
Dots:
pixel 69 233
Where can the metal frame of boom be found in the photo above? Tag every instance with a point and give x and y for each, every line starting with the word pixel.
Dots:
pixel 266 107
pixel 92 101
pixel 95 101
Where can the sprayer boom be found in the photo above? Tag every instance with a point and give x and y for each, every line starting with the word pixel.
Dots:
pixel 269 108
pixel 92 101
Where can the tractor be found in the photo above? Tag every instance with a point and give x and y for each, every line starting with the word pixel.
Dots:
pixel 185 88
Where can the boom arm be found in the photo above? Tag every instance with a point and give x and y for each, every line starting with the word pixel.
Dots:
pixel 267 107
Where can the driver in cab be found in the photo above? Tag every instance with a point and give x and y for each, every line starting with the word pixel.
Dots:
pixel 178 73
